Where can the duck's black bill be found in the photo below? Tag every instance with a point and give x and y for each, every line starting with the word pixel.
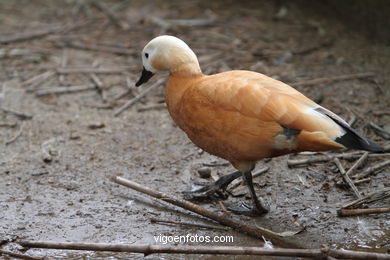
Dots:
pixel 145 76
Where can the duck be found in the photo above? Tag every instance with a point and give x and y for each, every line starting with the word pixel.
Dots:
pixel 242 116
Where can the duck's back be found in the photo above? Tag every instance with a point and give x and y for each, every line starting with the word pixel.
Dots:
pixel 243 115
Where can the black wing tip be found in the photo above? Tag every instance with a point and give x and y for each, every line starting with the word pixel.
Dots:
pixel 354 141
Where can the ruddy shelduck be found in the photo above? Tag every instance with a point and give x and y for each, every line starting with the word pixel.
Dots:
pixel 243 116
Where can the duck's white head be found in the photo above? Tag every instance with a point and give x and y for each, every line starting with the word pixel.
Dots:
pixel 168 53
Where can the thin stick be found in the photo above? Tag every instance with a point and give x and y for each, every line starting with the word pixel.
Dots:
pixel 42 77
pixel 369 198
pixel 62 90
pixel 93 47
pixel 20 256
pixel 222 219
pixel 35 33
pixel 346 178
pixel 156 220
pixel 381 113
pixel 12 125
pixel 16 113
pixel 215 250
pixel 333 79
pixel 354 212
pixel 111 15
pixel 327 158
pixel 380 131
pixel 371 170
pixel 357 164
pixel 100 86
pixel 138 97
pixel 152 107
pixel 16 136
pixel 75 70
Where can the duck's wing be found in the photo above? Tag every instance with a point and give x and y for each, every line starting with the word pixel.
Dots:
pixel 299 118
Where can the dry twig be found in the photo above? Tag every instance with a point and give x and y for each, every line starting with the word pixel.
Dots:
pixel 354 212
pixel 346 178
pixel 16 136
pixel 138 97
pixel 16 113
pixel 152 107
pixel 371 170
pixel 93 47
pixel 100 86
pixel 63 90
pixel 222 219
pixel 37 32
pixel 380 131
pixel 369 198
pixel 6 124
pixel 37 80
pixel 358 163
pixel 215 250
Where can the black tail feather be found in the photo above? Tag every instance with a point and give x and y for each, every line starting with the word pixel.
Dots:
pixel 351 139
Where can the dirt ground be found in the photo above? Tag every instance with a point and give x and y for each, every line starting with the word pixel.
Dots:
pixel 55 167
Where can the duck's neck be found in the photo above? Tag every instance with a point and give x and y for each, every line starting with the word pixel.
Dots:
pixel 186 70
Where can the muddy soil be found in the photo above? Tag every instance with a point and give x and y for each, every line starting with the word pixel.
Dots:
pixel 55 167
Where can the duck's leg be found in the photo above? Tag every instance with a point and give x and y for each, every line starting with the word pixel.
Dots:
pixel 257 208
pixel 212 189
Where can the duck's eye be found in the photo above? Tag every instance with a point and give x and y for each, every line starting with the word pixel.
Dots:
pixel 146 55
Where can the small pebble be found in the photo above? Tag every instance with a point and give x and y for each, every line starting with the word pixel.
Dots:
pixel 96 125
pixel 204 172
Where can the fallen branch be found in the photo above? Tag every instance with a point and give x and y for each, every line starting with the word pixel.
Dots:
pixel 346 178
pixel 134 100
pixel 369 198
pixel 62 90
pixel 224 220
pixel 16 113
pixel 156 220
pixel 327 158
pixel 354 212
pixel 371 170
pixel 214 250
pixel 332 79
pixel 16 136
pixel 111 15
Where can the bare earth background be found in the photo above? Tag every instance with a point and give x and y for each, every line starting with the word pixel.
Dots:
pixel 55 167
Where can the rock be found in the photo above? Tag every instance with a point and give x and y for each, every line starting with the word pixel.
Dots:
pixel 204 172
